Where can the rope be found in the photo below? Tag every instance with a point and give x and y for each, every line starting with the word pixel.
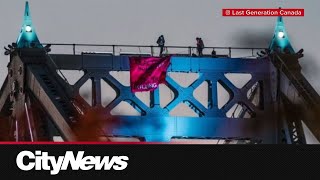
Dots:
pixel 28 120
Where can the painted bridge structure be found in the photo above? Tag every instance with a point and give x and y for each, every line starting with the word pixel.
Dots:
pixel 37 103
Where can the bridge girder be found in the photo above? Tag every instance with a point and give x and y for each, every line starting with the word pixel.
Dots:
pixel 62 103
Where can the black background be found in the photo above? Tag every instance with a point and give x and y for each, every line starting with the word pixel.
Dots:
pixel 182 161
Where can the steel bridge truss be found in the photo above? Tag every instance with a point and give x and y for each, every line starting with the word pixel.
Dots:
pixel 37 103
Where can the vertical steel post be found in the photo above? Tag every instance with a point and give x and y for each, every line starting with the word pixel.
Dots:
pixel 152 53
pixel 74 49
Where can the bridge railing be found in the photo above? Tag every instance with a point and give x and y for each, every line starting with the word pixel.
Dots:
pixel 151 50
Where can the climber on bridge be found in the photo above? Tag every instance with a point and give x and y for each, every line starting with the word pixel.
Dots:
pixel 161 43
pixel 213 53
pixel 200 46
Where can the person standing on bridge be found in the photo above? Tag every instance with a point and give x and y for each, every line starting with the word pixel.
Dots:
pixel 161 43
pixel 200 46
pixel 213 53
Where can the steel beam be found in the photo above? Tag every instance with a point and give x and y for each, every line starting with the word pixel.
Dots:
pixel 4 93
pixel 155 123
pixel 49 102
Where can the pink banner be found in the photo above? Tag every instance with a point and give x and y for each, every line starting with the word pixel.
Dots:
pixel 146 73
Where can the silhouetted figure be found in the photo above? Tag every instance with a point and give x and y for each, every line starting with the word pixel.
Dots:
pixel 200 46
pixel 214 53
pixel 161 43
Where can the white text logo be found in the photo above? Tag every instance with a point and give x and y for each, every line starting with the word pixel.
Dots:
pixel 42 161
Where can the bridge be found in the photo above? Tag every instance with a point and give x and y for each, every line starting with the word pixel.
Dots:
pixel 229 97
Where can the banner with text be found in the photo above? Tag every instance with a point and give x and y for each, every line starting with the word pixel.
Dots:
pixel 146 73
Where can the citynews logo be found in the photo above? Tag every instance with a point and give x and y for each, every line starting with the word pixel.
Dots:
pixel 42 161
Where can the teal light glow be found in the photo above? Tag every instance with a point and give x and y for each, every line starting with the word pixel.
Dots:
pixel 280 38
pixel 28 37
